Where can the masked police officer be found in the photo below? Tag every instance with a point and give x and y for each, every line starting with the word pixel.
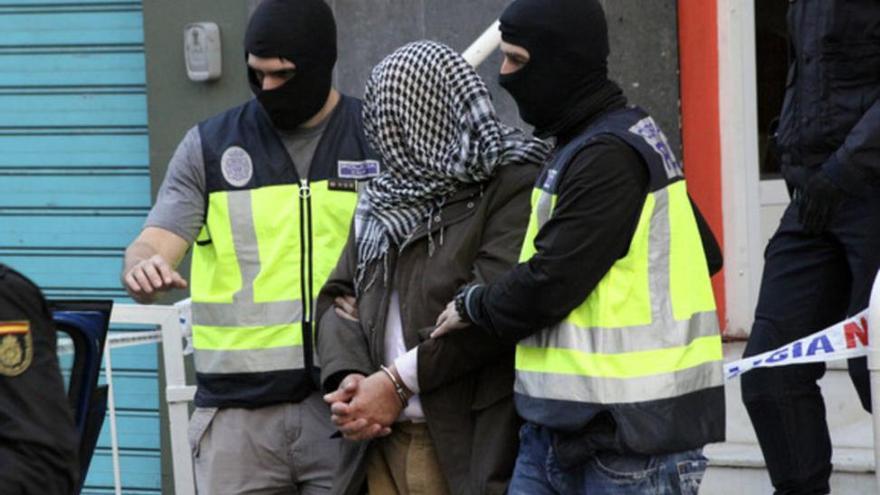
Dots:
pixel 264 193
pixel 618 361
pixel 38 440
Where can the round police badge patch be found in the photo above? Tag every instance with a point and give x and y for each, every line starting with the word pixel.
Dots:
pixel 237 167
pixel 16 347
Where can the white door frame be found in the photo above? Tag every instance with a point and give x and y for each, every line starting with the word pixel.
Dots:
pixel 740 175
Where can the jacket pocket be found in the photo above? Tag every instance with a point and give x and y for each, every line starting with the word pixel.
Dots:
pixel 852 63
pixel 852 75
pixel 198 425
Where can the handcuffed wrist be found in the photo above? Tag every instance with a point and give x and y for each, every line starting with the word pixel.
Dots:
pixel 407 367
pixel 399 388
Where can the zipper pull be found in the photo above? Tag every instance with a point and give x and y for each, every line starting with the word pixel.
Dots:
pixel 304 190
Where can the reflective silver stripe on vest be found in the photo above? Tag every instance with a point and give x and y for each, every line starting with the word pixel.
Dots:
pixel 244 311
pixel 570 336
pixel 247 314
pixel 544 208
pixel 244 237
pixel 249 361
pixel 657 335
pixel 603 390
pixel 658 261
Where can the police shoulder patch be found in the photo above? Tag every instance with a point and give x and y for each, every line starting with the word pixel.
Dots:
pixel 236 166
pixel 648 130
pixel 16 347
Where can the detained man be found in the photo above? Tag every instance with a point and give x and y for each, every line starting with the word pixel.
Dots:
pixel 450 208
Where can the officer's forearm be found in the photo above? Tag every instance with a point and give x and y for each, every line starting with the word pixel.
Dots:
pixel 854 164
pixel 136 252
pixel 152 241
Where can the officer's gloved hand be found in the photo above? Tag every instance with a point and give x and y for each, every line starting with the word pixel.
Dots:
pixel 819 202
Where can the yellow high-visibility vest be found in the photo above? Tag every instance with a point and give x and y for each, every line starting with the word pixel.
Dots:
pixel 269 242
pixel 644 345
pixel 248 282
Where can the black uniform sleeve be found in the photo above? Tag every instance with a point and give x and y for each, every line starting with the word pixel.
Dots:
pixel 854 164
pixel 600 200
pixel 38 440
pixel 342 344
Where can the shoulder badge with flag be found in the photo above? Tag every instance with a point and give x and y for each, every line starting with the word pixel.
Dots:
pixel 16 347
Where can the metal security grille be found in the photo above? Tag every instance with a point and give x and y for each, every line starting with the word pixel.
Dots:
pixel 75 184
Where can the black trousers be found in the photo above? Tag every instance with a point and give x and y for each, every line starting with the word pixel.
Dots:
pixel 809 283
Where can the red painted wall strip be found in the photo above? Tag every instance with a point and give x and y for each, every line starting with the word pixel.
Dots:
pixel 701 125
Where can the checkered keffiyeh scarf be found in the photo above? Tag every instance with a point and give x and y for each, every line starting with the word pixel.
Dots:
pixel 430 117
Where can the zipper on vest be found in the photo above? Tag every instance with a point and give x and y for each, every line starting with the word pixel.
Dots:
pixel 306 269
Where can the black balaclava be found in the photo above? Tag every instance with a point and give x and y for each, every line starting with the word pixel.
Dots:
pixel 303 32
pixel 566 80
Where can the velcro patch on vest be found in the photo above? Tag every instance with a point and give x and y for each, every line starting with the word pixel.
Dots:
pixel 342 185
pixel 366 169
pixel 16 347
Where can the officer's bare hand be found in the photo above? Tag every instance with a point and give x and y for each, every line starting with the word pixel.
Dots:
pixel 146 279
pixel 346 308
pixel 448 321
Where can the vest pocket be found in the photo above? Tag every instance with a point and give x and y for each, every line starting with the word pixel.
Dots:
pixel 853 63
pixel 852 74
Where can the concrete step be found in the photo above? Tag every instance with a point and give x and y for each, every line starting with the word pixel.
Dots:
pixel 739 469
pixel 737 466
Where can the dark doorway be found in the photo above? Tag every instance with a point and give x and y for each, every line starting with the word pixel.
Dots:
pixel 771 44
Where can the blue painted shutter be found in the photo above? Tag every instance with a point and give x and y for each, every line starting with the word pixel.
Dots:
pixel 75 184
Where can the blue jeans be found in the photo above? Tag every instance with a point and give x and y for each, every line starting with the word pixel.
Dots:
pixel 538 471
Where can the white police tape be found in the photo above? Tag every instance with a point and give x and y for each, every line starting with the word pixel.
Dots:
pixel 184 316
pixel 847 339
pixel 115 340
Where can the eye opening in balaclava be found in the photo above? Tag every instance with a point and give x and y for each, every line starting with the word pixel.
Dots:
pixel 255 80
pixel 303 32
pixel 566 77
